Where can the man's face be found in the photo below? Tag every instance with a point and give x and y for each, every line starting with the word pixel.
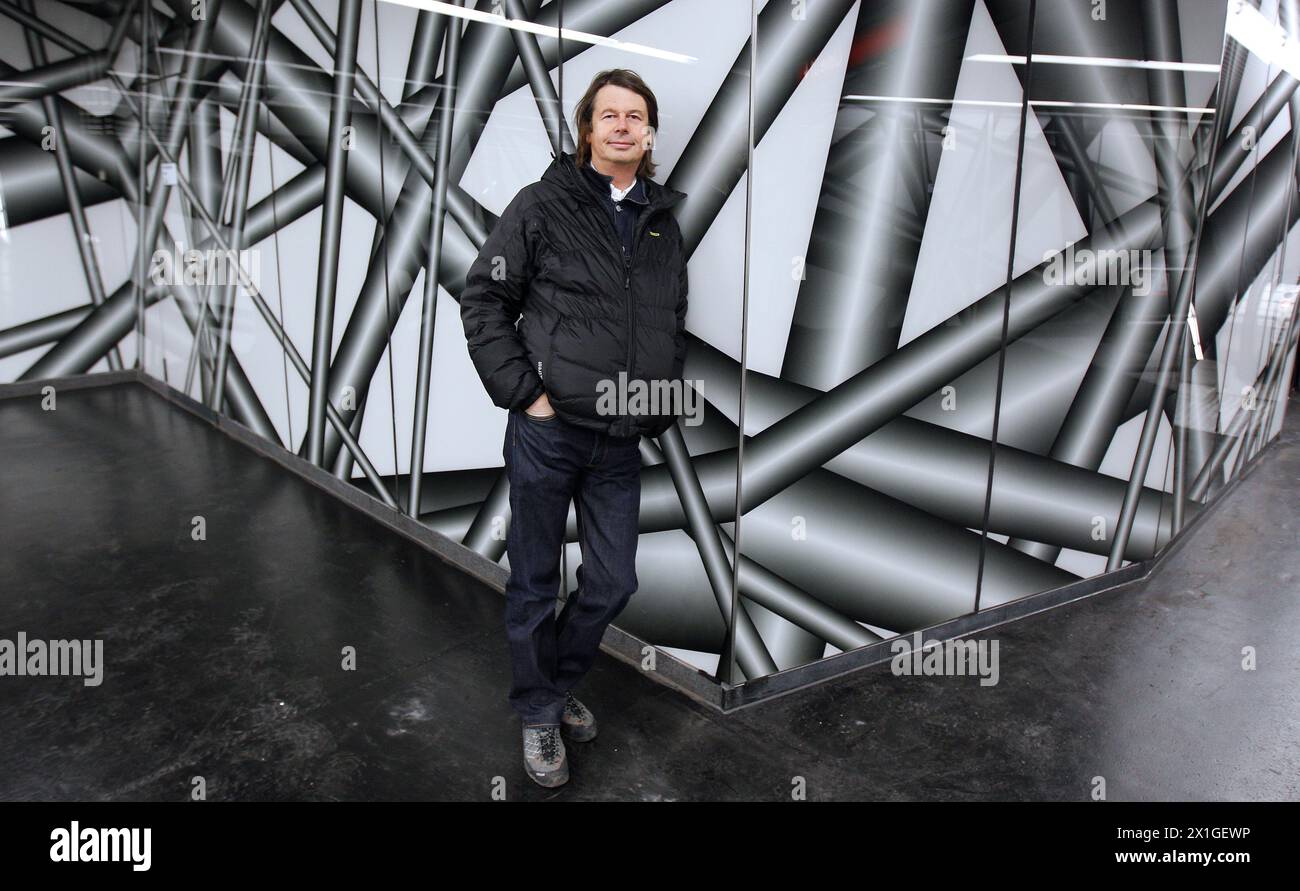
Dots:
pixel 620 127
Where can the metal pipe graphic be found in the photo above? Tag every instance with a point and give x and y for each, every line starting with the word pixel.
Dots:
pixel 432 267
pixel 243 159
pixel 861 258
pixel 750 653
pixel 67 179
pixel 327 268
pixel 845 443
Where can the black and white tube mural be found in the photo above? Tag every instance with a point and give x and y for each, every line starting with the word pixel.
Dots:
pixel 1019 276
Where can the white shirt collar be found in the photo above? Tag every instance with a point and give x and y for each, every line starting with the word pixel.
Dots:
pixel 617 193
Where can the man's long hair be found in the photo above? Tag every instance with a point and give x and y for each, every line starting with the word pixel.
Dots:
pixel 582 115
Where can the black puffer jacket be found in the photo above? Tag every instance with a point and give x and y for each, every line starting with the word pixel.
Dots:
pixel 589 313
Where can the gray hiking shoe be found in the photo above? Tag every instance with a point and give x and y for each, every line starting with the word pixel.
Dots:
pixel 578 721
pixel 544 755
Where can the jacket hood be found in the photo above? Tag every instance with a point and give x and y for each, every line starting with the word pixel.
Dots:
pixel 564 173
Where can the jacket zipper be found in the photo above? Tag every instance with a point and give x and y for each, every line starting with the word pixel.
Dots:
pixel 644 219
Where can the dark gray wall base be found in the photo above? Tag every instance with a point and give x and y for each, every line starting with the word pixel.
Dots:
pixel 18 389
pixel 669 671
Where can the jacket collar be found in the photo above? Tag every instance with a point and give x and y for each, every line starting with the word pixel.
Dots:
pixel 636 193
pixel 564 172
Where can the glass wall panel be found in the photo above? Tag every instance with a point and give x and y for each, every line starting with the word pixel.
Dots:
pixel 1243 319
pixel 1121 100
pixel 69 197
pixel 884 179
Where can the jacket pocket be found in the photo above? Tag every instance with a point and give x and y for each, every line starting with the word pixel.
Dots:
pixel 552 418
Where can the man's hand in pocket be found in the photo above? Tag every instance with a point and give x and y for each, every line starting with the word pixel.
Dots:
pixel 541 408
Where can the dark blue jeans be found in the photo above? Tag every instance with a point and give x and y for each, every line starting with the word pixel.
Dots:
pixel 549 464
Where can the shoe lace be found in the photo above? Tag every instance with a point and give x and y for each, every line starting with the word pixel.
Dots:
pixel 572 706
pixel 548 740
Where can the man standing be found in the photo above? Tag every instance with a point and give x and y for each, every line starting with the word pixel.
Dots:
pixel 592 257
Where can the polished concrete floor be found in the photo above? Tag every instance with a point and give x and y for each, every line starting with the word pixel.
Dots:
pixel 224 655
